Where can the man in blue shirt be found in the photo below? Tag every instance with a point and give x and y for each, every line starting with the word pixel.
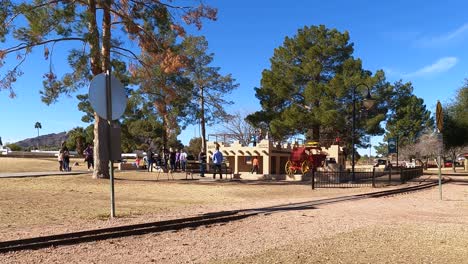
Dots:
pixel 217 161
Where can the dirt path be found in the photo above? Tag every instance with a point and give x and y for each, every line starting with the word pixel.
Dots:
pixel 410 228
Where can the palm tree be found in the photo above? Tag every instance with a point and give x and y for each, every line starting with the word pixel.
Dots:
pixel 38 126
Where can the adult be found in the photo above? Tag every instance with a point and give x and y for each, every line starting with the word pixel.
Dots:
pixel 60 156
pixel 183 160
pixel 254 165
pixel 177 159
pixel 150 159
pixel 172 159
pixel 217 161
pixel 202 160
pixel 89 156
pixel 66 159
pixel 60 159
pixel 165 159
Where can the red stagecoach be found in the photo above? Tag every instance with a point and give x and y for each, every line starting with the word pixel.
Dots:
pixel 304 158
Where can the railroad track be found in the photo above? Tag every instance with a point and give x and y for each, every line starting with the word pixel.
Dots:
pixel 190 222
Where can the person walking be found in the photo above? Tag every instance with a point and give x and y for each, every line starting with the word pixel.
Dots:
pixel 89 156
pixel 202 160
pixel 183 160
pixel 217 161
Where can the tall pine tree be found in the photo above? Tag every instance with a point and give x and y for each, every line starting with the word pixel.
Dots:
pixel 99 30
pixel 310 86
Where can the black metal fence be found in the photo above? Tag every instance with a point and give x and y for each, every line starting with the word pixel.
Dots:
pixel 363 177
pixel 410 173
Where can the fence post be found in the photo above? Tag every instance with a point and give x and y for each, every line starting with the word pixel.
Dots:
pixel 373 177
pixel 402 177
pixel 313 179
pixel 389 175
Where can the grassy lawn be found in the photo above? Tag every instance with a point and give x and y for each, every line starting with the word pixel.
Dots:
pixel 36 164
pixel 60 199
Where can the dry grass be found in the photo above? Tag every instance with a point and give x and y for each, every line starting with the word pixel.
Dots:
pixel 57 199
pixel 416 228
pixel 60 199
pixel 8 164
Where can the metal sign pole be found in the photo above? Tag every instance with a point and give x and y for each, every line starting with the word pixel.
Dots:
pixel 109 145
pixel 439 161
pixel 440 126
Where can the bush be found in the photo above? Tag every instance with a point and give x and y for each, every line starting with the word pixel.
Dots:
pixel 14 147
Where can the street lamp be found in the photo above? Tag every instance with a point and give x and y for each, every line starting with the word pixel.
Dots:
pixel 368 102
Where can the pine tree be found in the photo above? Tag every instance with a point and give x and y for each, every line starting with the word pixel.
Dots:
pixel 408 117
pixel 309 89
pixel 47 23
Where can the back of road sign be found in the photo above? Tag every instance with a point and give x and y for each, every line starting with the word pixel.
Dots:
pixel 97 96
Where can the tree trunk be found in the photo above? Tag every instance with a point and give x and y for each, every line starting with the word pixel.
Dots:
pixel 164 135
pixel 202 120
pixel 101 164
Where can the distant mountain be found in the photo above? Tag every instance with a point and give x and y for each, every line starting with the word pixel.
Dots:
pixel 50 140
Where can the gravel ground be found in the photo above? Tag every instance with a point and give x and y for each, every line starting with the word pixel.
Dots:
pixel 409 228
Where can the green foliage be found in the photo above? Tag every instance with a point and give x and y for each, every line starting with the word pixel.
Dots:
pixel 140 127
pixel 14 147
pixel 76 140
pixel 98 41
pixel 310 87
pixel 175 144
pixel 455 131
pixel 40 23
pixel 408 117
pixel 209 86
pixel 194 147
pixel 381 149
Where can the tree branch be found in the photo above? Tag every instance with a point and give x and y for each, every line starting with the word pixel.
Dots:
pixel 164 4
pixel 23 46
pixel 14 16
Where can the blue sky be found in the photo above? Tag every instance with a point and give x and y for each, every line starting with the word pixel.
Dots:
pixel 418 41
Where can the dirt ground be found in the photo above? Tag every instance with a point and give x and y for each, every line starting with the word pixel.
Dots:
pixel 408 228
pixel 17 164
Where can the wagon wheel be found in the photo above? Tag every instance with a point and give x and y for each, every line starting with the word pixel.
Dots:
pixel 287 168
pixel 305 166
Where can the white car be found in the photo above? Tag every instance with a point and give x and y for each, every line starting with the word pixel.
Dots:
pixel 4 150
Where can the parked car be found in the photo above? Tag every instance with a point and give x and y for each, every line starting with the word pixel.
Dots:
pixel 449 163
pixel 4 150
pixel 380 162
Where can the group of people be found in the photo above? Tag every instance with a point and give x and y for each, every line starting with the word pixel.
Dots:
pixel 179 158
pixel 176 159
pixel 64 157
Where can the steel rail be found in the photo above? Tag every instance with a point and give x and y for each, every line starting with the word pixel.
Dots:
pixel 190 222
